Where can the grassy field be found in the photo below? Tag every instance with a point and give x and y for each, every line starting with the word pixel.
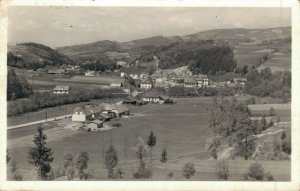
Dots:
pixel 282 110
pixel 182 127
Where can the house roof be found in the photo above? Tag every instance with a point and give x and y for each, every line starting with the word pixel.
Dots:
pixel 240 79
pixel 96 121
pixel 65 88
pixel 151 94
pixel 88 110
pixel 105 116
pixel 147 81
pixel 189 80
pixel 164 97
pixel 121 108
pixel 201 77
pixel 107 106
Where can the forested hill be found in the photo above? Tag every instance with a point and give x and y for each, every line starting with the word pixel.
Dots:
pixel 33 56
pixel 201 57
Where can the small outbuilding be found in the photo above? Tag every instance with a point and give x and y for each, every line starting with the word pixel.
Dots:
pixel 94 125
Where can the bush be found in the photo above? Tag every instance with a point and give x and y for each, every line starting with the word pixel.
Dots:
pixel 143 172
pixel 269 176
pixel 256 171
pixel 272 111
pixel 222 169
pixel 189 170
pixel 170 174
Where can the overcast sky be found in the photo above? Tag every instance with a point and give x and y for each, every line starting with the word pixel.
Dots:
pixel 62 26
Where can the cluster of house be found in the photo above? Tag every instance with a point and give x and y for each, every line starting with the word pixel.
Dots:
pixel 145 81
pixel 94 116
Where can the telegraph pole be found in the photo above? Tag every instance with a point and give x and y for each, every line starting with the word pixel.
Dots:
pixel 46 116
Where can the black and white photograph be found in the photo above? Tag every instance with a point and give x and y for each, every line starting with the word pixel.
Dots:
pixel 149 94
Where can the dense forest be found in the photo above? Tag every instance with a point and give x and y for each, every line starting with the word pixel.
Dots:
pixel 101 64
pixel 33 56
pixel 17 87
pixel 201 57
pixel 266 83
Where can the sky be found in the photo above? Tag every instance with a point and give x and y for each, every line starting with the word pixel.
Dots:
pixel 64 26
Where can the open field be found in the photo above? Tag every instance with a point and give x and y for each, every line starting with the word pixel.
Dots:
pixel 282 110
pixel 94 80
pixel 183 127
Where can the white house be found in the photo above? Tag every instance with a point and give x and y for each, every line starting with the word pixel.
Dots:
pixel 90 73
pixel 202 80
pixel 151 96
pixel 146 84
pixel 121 63
pixel 116 85
pixel 85 114
pixel 190 83
pixel 61 90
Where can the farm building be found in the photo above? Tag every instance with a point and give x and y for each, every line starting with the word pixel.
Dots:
pixel 146 84
pixel 104 117
pixel 114 110
pixel 56 71
pixel 122 110
pixel 121 63
pixel 151 96
pixel 190 83
pixel 239 81
pixel 61 90
pixel 202 80
pixel 94 125
pixel 90 73
pixel 85 114
pixel 116 85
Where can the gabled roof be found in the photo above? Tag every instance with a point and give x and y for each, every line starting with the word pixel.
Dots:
pixel 60 88
pixel 107 106
pixel 164 97
pixel 189 80
pixel 152 94
pixel 96 121
pixel 88 110
pixel 201 77
pixel 147 81
pixel 121 108
pixel 105 116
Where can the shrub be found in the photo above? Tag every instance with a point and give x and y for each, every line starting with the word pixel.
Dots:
pixel 272 111
pixel 222 169
pixel 170 174
pixel 256 171
pixel 189 170
pixel 163 157
pixel 269 176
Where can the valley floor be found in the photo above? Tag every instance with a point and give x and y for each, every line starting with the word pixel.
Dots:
pixel 182 127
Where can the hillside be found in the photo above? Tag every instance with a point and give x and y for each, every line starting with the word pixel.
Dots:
pixel 242 35
pixel 133 49
pixel 32 56
pixel 90 50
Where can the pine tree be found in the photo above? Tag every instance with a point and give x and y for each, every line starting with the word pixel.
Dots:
pixel 110 160
pixel 82 164
pixel 164 154
pixel 40 155
pixel 151 142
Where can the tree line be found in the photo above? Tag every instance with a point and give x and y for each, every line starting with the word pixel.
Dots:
pixel 266 83
pixel 40 100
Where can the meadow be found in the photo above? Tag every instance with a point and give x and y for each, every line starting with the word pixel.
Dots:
pixel 182 128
